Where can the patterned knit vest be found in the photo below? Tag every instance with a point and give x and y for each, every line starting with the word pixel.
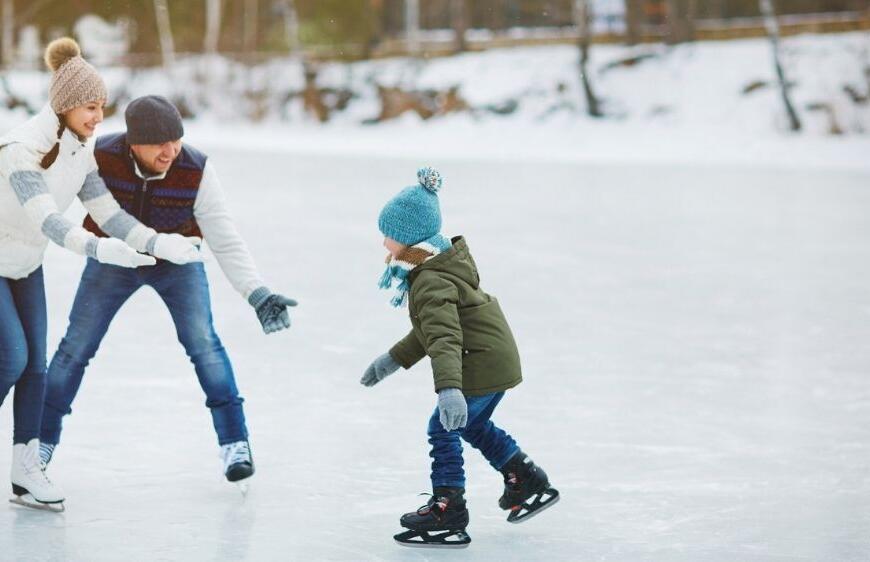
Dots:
pixel 166 205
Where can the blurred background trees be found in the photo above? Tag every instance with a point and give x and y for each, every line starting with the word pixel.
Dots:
pixel 365 28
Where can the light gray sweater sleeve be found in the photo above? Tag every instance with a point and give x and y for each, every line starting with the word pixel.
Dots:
pixel 28 184
pixel 110 217
pixel 220 233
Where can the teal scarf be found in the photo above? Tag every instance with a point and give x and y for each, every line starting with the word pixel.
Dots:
pixel 399 267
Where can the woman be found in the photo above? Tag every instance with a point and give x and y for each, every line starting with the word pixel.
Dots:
pixel 44 164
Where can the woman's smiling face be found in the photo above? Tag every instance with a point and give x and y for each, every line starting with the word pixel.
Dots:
pixel 83 120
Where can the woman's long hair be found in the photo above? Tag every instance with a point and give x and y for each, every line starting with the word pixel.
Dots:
pixel 51 155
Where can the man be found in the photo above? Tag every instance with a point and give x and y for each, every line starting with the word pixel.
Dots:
pixel 170 187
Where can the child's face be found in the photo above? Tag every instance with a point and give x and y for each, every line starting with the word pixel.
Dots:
pixel 394 247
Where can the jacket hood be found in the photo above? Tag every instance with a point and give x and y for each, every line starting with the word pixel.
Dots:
pixel 39 132
pixel 456 261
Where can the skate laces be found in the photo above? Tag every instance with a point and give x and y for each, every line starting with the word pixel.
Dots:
pixel 235 453
pixel 33 464
pixel 439 501
pixel 46 450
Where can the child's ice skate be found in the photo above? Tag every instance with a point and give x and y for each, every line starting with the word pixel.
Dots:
pixel 238 464
pixel 30 485
pixel 440 523
pixel 527 490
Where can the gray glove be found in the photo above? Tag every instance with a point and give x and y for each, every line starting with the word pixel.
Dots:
pixel 271 309
pixel 380 369
pixel 454 410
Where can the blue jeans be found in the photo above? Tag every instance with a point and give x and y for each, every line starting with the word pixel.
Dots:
pixel 184 290
pixel 495 444
pixel 23 325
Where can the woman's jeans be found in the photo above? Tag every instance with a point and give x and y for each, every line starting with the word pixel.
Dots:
pixel 23 325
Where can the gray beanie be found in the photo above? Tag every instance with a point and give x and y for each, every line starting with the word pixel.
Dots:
pixel 153 120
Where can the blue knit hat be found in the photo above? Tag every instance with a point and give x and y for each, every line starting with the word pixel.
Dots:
pixel 414 214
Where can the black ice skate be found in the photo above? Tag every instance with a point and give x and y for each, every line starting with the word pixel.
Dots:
pixel 440 523
pixel 527 490
pixel 238 464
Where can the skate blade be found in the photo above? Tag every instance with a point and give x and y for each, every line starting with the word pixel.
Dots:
pixel 29 501
pixel 436 539
pixel 244 487
pixel 526 511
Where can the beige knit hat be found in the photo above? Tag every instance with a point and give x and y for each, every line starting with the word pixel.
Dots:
pixel 74 82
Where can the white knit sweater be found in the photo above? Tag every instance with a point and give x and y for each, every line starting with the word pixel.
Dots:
pixel 32 200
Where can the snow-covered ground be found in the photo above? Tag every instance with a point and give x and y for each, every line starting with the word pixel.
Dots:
pixel 694 340
pixel 683 103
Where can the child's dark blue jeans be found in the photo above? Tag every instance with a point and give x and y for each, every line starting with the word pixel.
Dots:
pixel 495 444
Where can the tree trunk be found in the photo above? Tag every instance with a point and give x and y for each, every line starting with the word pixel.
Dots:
pixel 8 30
pixel 164 31
pixel 249 34
pixel 291 25
pixel 212 26
pixel 633 20
pixel 772 26
pixel 459 21
pixel 582 17
pixel 681 16
pixel 412 26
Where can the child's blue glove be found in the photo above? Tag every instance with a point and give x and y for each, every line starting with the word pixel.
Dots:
pixel 380 369
pixel 271 309
pixel 453 409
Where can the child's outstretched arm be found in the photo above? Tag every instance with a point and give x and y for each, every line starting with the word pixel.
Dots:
pixel 381 368
pixel 408 351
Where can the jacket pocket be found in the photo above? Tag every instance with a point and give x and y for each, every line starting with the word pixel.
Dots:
pixel 480 327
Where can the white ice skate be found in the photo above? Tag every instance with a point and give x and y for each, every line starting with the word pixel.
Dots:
pixel 238 463
pixel 46 450
pixel 30 485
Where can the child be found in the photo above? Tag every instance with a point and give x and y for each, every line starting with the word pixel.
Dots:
pixel 474 361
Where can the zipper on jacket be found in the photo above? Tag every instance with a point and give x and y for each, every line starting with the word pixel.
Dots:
pixel 142 196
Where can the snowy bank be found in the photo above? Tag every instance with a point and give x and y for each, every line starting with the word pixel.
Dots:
pixel 703 103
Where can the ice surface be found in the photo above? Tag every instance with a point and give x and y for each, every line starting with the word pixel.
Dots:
pixel 695 347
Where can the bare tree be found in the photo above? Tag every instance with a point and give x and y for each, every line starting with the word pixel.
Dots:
pixel 249 32
pixel 412 26
pixel 582 17
pixel 288 12
pixel 633 18
pixel 212 26
pixel 681 17
pixel 164 31
pixel 459 22
pixel 772 26
pixel 8 30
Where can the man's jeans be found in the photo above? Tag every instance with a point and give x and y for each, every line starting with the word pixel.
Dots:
pixel 22 351
pixel 184 290
pixel 496 445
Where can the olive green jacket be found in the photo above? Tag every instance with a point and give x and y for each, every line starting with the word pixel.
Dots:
pixel 460 327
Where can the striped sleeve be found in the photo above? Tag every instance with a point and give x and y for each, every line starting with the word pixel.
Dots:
pixel 110 217
pixel 28 184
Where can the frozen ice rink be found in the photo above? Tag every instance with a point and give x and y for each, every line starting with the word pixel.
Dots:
pixel 696 348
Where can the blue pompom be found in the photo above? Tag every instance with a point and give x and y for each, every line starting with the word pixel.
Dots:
pixel 429 178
